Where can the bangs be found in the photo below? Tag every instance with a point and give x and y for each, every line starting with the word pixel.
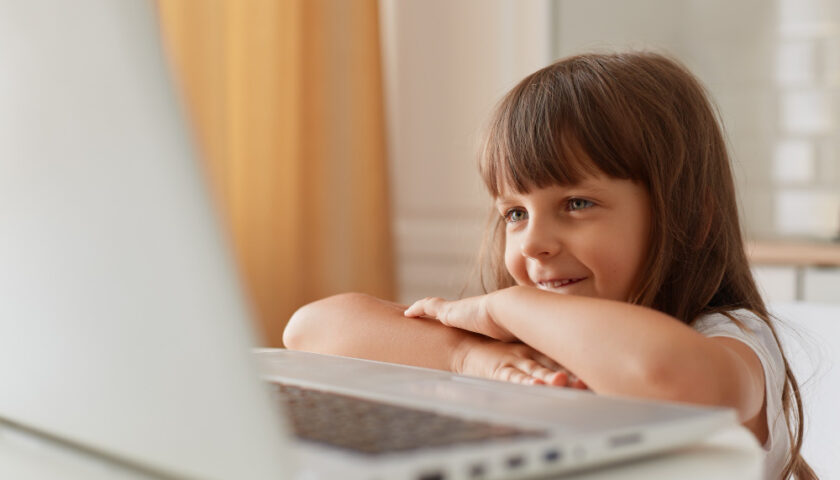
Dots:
pixel 544 133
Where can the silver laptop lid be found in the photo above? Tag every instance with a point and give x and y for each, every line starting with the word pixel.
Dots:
pixel 121 325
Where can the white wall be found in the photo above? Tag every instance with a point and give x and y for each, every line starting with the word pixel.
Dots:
pixel 810 333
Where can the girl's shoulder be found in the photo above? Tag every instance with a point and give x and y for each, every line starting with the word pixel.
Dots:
pixel 749 328
pixel 734 323
pixel 746 326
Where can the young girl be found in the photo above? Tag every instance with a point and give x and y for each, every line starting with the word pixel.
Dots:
pixel 617 255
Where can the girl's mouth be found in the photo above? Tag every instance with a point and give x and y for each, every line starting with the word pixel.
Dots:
pixel 548 284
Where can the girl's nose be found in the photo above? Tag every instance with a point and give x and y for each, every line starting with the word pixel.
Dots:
pixel 539 242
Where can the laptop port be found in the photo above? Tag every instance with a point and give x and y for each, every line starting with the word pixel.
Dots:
pixel 477 470
pixel 515 461
pixel 552 455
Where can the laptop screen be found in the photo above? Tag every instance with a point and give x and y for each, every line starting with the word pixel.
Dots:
pixel 122 328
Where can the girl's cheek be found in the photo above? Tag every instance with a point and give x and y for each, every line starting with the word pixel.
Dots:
pixel 515 267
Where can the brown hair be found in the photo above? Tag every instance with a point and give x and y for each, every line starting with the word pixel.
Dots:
pixel 643 117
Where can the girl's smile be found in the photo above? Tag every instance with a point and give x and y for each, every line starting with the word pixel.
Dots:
pixel 558 284
pixel 587 239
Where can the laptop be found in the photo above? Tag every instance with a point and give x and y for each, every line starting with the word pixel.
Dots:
pixel 124 336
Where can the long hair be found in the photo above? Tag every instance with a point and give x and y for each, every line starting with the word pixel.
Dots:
pixel 642 117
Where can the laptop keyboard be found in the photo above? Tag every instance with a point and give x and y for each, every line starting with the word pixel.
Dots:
pixel 374 428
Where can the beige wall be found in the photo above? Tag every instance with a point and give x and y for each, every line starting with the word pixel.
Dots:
pixel 446 64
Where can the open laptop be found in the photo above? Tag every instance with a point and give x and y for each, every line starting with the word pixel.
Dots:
pixel 124 338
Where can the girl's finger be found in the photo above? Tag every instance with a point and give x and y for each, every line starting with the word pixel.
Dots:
pixel 547 362
pixel 545 376
pixel 515 375
pixel 527 365
pixel 558 379
pixel 550 377
pixel 542 372
pixel 578 383
pixel 417 309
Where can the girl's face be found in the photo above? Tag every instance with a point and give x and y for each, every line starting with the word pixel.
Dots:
pixel 587 239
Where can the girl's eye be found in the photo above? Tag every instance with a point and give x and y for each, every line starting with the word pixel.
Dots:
pixel 579 204
pixel 515 215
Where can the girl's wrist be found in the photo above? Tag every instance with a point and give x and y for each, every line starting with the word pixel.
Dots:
pixel 493 301
pixel 460 350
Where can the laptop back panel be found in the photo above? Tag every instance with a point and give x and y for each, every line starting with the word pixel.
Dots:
pixel 121 326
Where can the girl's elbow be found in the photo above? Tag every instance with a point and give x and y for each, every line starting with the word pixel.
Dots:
pixel 665 381
pixel 295 333
pixel 305 328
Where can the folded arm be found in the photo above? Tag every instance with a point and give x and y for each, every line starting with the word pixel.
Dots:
pixel 615 347
pixel 362 326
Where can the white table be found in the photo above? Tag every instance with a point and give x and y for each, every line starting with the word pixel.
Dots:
pixel 731 454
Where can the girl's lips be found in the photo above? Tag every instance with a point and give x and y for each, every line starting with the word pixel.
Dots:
pixel 559 283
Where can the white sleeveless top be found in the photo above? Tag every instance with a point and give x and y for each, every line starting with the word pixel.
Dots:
pixel 760 339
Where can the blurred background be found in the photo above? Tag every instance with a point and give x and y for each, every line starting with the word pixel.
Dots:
pixel 340 135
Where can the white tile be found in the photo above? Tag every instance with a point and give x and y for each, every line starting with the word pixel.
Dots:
pixel 794 161
pixel 810 213
pixel 807 112
pixel 828 171
pixel 796 62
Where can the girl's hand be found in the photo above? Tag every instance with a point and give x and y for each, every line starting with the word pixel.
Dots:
pixel 467 314
pixel 513 362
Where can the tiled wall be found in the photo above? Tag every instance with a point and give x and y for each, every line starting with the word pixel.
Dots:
pixel 773 68
pixel 806 162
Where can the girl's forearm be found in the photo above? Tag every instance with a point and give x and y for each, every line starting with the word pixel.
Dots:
pixel 614 347
pixel 362 326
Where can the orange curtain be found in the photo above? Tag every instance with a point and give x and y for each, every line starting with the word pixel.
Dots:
pixel 286 97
